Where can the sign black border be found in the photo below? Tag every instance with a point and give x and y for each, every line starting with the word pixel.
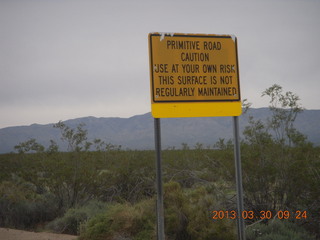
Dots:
pixel 197 36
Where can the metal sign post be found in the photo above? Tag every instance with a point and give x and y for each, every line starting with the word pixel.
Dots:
pixel 237 159
pixel 160 209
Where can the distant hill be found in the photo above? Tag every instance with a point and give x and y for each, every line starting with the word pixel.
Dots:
pixel 137 132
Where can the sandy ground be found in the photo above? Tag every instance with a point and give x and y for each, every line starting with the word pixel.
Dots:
pixel 11 234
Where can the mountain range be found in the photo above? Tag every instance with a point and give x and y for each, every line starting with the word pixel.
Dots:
pixel 137 132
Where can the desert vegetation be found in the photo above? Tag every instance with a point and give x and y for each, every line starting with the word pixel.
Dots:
pixel 98 191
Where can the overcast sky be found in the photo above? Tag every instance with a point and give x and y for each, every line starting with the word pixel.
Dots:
pixel 65 59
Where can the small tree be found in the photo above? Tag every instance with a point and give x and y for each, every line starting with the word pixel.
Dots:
pixel 76 138
pixel 269 154
pixel 29 146
pixel 285 108
pixel 76 183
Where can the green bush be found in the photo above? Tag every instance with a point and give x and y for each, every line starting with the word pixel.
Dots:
pixel 22 207
pixel 187 216
pixel 74 219
pixel 277 230
pixel 121 221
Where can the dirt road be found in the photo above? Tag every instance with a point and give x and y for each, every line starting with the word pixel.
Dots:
pixel 11 234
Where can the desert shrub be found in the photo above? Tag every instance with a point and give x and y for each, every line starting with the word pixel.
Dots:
pixel 121 221
pixel 75 218
pixel 128 176
pixel 187 216
pixel 22 207
pixel 200 166
pixel 277 230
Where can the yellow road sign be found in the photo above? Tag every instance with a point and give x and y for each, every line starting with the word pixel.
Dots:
pixel 194 75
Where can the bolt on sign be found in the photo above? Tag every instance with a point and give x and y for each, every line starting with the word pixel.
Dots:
pixel 194 75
